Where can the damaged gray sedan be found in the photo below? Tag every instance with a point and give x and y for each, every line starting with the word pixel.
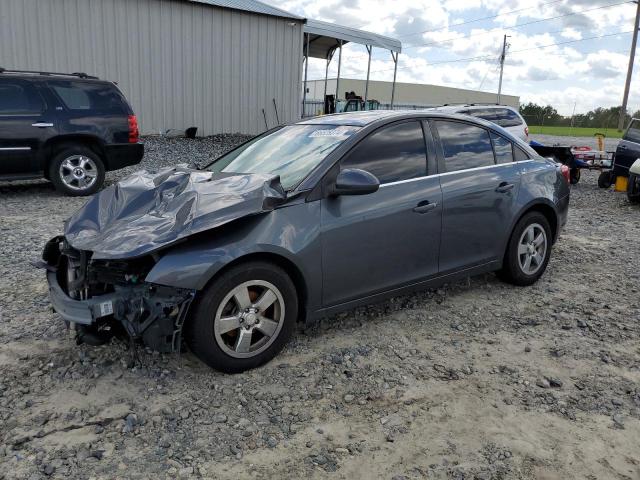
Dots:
pixel 301 222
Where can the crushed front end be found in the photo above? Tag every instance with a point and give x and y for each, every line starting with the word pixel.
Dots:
pixel 99 298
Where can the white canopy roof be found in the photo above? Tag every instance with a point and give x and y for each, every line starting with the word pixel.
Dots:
pixel 325 37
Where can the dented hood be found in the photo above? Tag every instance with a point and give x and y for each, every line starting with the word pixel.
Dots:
pixel 150 210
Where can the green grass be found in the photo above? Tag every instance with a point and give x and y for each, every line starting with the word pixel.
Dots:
pixel 574 131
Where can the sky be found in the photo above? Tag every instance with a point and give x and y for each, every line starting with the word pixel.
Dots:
pixel 552 58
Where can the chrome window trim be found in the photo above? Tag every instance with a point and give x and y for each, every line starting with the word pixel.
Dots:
pixel 453 173
pixel 7 149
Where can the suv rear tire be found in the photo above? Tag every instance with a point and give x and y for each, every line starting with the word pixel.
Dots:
pixel 77 171
pixel 528 250
pixel 244 317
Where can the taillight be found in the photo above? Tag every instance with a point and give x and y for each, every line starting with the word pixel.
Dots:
pixel 564 170
pixel 526 131
pixel 134 133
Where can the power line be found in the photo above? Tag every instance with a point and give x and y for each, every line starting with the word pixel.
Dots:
pixel 437 44
pixel 571 41
pixel 475 20
pixel 440 42
pixel 532 22
pixel 493 56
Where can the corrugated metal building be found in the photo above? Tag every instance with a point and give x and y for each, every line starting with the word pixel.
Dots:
pixel 214 64
pixel 407 93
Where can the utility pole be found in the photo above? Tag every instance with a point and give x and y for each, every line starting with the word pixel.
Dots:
pixel 632 56
pixel 502 57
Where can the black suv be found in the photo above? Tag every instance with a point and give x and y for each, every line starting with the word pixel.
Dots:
pixel 68 128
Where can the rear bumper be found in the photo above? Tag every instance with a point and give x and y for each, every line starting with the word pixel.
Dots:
pixel 563 213
pixel 123 155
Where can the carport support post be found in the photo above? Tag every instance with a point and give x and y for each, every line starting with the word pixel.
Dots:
pixel 338 77
pixel 366 88
pixel 326 75
pixel 394 55
pixel 306 69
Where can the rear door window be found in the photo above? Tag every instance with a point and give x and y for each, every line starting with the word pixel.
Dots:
pixel 89 96
pixel 464 146
pixel 503 148
pixel 520 155
pixel 633 132
pixel 19 98
pixel 393 153
pixel 505 117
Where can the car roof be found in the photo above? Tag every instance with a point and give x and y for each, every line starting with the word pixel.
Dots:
pixel 362 119
pixel 469 106
pixel 357 119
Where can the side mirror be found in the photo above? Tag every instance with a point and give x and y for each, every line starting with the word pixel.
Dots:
pixel 353 181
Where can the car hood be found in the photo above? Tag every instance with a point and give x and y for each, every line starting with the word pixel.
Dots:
pixel 150 210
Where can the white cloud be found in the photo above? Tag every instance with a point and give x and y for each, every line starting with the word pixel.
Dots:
pixel 571 33
pixel 587 71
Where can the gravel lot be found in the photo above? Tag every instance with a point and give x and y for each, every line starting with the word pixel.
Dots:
pixel 475 380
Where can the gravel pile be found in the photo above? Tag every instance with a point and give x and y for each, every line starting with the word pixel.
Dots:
pixel 477 379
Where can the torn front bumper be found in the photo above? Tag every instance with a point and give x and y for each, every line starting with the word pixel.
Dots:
pixel 83 312
pixel 150 313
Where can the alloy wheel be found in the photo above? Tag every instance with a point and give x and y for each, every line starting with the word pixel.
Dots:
pixel 78 172
pixel 249 319
pixel 532 248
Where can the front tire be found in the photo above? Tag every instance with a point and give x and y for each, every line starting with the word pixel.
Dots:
pixel 77 171
pixel 244 317
pixel 528 250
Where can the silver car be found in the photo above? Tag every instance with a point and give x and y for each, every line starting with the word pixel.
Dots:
pixel 502 115
pixel 301 222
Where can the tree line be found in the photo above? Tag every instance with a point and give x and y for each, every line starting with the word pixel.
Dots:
pixel 601 117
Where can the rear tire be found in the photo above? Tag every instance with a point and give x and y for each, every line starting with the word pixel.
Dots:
pixel 574 176
pixel 633 193
pixel 77 171
pixel 528 250
pixel 244 317
pixel 605 180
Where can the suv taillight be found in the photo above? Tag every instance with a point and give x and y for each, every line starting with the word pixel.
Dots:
pixel 566 173
pixel 526 131
pixel 134 133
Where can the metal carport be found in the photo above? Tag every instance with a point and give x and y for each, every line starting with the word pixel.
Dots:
pixel 322 39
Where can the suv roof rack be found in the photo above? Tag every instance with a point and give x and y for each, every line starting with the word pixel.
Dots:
pixel 485 104
pixel 33 72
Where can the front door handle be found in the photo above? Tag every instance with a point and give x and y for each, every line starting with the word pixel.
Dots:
pixel 424 207
pixel 42 124
pixel 505 187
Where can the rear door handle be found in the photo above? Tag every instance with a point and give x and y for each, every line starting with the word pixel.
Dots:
pixel 424 207
pixel 42 124
pixel 622 147
pixel 505 187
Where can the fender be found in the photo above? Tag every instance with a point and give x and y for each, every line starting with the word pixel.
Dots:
pixel 193 268
pixel 199 258
pixel 545 202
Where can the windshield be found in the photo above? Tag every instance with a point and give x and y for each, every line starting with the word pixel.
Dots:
pixel 291 152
